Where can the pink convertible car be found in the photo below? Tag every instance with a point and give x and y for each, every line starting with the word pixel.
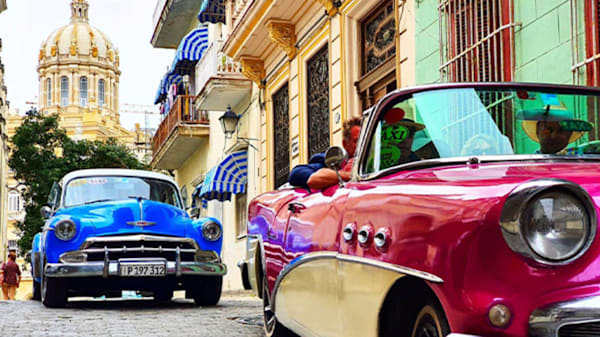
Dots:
pixel 471 211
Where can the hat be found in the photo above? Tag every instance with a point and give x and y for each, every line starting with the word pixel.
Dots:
pixel 560 114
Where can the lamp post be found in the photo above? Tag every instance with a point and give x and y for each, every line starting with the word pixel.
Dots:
pixel 229 121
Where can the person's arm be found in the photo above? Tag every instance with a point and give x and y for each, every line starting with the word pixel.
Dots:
pixel 325 177
pixel 301 173
pixel 18 275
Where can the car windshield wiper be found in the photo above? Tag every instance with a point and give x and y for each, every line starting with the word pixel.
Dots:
pixel 99 200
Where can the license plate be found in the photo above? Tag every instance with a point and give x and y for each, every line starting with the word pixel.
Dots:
pixel 143 269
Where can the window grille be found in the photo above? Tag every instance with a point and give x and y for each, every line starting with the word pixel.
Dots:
pixel 64 91
pixel 83 91
pixel 318 101
pixel 101 93
pixel 281 130
pixel 476 40
pixel 48 92
pixel 585 40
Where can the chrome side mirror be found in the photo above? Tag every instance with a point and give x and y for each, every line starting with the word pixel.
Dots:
pixel 46 212
pixel 336 158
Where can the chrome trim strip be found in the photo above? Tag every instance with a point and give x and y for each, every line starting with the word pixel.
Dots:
pixel 348 258
pixel 96 269
pixel 546 321
pixel 137 237
pixel 134 249
pixel 520 197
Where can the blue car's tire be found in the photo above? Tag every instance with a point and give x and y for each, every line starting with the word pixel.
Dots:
pixel 54 290
pixel 37 294
pixel 209 292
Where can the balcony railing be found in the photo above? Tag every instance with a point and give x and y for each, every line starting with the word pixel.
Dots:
pixel 215 64
pixel 182 113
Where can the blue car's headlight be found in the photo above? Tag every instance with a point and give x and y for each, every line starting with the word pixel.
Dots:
pixel 65 230
pixel 211 231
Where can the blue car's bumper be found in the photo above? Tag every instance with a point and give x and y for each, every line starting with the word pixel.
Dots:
pixel 111 268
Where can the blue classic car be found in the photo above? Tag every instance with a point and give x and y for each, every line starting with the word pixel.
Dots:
pixel 109 230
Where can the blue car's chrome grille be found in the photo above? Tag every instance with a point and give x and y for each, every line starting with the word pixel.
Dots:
pixel 139 246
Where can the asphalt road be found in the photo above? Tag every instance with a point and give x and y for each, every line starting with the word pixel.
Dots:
pixel 233 316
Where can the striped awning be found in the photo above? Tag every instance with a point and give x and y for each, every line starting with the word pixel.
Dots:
pixel 228 177
pixel 212 11
pixel 169 78
pixel 190 51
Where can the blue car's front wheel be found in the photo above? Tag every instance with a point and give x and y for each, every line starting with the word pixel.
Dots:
pixel 54 290
pixel 209 292
pixel 37 295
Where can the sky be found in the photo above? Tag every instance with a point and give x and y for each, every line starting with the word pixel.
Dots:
pixel 127 23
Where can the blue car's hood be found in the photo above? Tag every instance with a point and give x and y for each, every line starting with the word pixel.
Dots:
pixel 124 217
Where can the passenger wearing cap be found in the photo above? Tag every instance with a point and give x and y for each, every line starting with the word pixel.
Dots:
pixel 553 127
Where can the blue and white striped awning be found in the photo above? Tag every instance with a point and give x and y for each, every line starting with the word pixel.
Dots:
pixel 212 11
pixel 169 78
pixel 228 177
pixel 190 51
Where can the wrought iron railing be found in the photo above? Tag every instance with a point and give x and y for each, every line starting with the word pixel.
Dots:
pixel 182 113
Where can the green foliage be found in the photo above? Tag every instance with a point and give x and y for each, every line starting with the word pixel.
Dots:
pixel 42 153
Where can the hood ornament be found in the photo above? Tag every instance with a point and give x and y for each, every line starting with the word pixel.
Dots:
pixel 141 223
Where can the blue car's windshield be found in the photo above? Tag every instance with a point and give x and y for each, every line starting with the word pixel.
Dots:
pixel 88 190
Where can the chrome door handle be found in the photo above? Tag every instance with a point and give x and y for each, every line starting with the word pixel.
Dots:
pixel 295 207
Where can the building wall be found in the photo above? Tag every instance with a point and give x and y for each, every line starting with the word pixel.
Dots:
pixel 543 43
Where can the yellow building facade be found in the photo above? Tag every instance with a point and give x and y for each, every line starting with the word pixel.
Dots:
pixel 314 64
pixel 347 55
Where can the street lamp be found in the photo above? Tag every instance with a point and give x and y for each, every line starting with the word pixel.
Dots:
pixel 229 121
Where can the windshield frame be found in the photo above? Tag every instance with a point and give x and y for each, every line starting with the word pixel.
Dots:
pixel 66 184
pixel 400 95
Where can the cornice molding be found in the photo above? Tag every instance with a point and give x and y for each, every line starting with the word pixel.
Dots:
pixel 283 34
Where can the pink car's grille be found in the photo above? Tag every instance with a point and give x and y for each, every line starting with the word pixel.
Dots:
pixel 580 330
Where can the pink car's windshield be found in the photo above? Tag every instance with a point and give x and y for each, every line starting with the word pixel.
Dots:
pixel 467 122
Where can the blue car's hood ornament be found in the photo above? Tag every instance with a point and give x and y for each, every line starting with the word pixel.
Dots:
pixel 141 223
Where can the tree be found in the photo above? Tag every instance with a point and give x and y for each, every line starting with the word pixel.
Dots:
pixel 42 153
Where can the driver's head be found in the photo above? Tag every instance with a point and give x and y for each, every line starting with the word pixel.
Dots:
pixel 552 137
pixel 351 130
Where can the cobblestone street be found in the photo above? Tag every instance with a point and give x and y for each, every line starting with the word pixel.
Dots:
pixel 234 316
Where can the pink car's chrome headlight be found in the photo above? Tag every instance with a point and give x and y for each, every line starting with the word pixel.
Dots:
pixel 555 225
pixel 550 221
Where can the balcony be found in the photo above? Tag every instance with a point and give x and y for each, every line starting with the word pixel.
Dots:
pixel 179 134
pixel 172 20
pixel 220 81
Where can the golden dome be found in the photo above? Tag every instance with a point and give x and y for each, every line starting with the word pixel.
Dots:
pixel 78 38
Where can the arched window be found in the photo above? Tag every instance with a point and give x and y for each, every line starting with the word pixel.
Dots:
pixel 64 91
pixel 101 93
pixel 48 92
pixel 14 201
pixel 83 91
